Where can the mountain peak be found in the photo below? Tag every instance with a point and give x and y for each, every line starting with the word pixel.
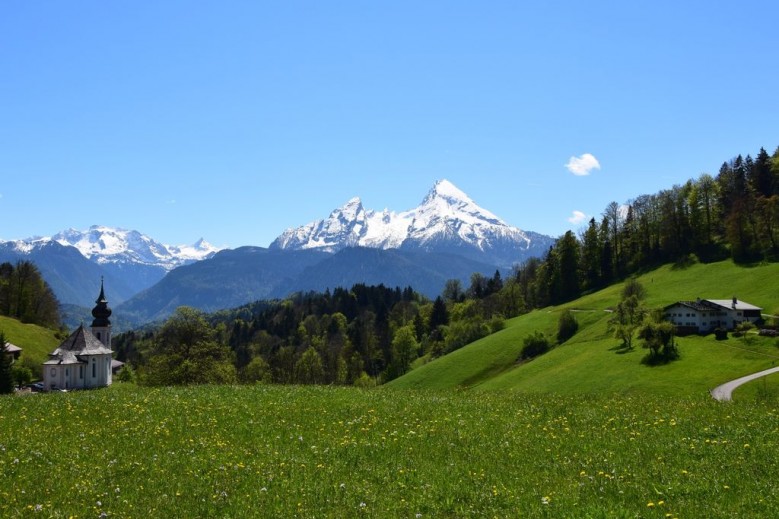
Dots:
pixel 445 189
pixel 103 244
pixel 446 220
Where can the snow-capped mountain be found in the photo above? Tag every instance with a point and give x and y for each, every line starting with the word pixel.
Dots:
pixel 111 245
pixel 73 261
pixel 447 220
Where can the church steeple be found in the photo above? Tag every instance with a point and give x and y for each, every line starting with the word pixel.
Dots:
pixel 101 325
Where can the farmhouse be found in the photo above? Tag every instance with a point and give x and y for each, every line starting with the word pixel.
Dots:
pixel 704 315
pixel 83 360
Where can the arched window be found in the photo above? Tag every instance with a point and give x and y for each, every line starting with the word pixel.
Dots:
pixel 94 368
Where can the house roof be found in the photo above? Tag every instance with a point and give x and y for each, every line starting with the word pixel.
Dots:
pixel 734 304
pixel 703 305
pixel 80 342
pixel 12 348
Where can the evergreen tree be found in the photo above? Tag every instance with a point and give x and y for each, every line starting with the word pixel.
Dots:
pixel 568 266
pixel 440 315
pixel 590 257
pixel 6 371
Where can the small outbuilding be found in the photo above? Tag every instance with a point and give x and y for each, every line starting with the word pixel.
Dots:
pixel 12 351
pixel 705 315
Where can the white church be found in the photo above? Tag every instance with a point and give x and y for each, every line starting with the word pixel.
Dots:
pixel 83 360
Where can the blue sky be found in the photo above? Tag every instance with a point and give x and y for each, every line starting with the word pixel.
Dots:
pixel 235 120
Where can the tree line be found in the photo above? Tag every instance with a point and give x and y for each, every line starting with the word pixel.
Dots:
pixel 735 214
pixel 363 335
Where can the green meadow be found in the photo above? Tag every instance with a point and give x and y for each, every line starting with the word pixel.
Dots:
pixel 592 362
pixel 273 451
pixel 585 430
pixel 37 342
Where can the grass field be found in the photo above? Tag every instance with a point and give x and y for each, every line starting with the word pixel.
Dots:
pixel 591 362
pixel 36 342
pixel 343 452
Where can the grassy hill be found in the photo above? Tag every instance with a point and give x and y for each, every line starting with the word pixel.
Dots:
pixel 590 361
pixel 36 342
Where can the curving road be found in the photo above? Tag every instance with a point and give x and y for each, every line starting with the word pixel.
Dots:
pixel 724 392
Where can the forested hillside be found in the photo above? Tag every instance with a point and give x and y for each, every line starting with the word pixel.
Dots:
pixel 359 335
pixel 24 295
pixel 735 214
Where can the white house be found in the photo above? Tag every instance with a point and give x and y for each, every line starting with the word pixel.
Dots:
pixel 83 360
pixel 704 315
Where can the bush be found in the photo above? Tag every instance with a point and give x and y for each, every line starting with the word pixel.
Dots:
pixel 535 344
pixel 720 334
pixel 364 381
pixel 567 326
pixel 126 374
pixel 22 374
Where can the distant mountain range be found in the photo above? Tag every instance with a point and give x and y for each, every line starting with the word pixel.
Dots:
pixel 73 261
pixel 447 236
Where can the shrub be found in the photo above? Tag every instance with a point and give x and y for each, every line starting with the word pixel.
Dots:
pixel 535 344
pixel 720 334
pixel 567 326
pixel 22 374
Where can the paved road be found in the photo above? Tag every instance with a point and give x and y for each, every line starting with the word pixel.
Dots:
pixel 723 392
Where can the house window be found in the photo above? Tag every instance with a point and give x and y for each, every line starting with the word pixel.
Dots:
pixel 94 369
pixel 81 372
pixel 53 372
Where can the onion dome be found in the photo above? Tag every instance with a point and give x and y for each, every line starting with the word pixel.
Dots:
pixel 101 312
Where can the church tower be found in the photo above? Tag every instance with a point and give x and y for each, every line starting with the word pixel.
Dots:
pixel 101 326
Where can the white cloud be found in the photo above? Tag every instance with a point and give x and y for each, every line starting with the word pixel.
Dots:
pixel 582 166
pixel 577 217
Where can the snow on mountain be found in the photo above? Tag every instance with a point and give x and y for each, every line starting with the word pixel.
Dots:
pixel 447 219
pixel 109 245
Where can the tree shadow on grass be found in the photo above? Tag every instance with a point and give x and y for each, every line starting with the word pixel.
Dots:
pixel 621 349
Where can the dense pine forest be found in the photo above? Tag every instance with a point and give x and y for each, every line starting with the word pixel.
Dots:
pixel 371 334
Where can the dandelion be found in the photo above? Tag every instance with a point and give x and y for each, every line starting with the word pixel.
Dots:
pixel 546 500
pixel 650 505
